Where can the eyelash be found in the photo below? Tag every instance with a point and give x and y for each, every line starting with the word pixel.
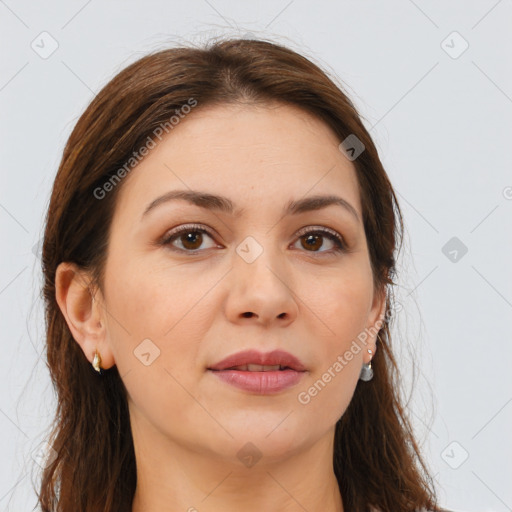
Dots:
pixel 340 245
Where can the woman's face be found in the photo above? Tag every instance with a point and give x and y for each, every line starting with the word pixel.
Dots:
pixel 252 280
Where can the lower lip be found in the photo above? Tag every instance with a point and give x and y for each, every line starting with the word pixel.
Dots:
pixel 263 383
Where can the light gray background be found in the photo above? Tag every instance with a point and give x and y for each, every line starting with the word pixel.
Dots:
pixel 442 122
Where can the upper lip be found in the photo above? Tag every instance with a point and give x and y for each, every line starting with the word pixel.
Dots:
pixel 276 357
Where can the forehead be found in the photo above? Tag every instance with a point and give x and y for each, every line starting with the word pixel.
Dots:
pixel 252 154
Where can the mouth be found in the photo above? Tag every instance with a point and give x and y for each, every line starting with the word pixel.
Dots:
pixel 256 368
pixel 258 379
pixel 259 373
pixel 254 361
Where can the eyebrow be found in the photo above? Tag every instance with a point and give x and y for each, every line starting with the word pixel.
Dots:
pixel 225 205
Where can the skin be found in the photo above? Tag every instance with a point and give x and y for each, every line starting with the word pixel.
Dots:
pixel 187 424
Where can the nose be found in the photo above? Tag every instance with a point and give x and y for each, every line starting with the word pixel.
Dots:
pixel 261 292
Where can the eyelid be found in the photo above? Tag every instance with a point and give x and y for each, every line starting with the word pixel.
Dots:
pixel 183 228
pixel 313 229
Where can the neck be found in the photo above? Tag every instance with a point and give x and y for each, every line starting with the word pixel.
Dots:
pixel 174 477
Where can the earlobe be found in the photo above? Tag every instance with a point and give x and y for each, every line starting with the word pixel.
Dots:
pixel 82 311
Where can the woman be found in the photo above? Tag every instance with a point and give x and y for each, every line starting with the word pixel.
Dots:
pixel 218 257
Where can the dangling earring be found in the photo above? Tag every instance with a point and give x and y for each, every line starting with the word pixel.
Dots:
pixel 367 371
pixel 96 362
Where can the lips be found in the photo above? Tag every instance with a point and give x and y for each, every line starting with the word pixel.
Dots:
pixel 258 368
pixel 254 361
pixel 260 373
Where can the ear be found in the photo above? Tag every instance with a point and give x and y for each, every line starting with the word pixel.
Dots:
pixel 83 310
pixel 376 318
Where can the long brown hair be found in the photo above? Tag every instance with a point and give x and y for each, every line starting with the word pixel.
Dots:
pixel 376 459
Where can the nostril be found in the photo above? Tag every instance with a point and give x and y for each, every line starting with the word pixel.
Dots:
pixel 247 314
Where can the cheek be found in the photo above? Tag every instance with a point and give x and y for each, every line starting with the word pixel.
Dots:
pixel 343 305
pixel 151 301
pixel 147 315
pixel 326 394
pixel 156 342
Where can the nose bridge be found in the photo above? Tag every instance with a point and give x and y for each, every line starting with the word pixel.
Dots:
pixel 259 261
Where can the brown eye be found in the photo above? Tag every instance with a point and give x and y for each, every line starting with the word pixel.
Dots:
pixel 189 239
pixel 313 240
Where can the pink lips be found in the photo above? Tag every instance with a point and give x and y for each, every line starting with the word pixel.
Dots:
pixel 261 382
